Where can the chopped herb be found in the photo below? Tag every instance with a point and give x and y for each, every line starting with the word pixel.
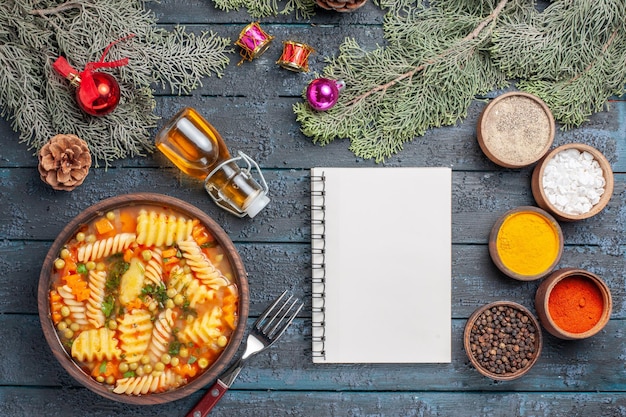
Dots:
pixel 188 310
pixel 192 359
pixel 209 244
pixel 118 268
pixel 103 367
pixel 158 292
pixel 68 343
pixel 129 374
pixel 108 304
pixel 81 269
pixel 174 348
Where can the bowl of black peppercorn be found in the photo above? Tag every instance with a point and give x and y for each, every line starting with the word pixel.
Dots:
pixel 502 340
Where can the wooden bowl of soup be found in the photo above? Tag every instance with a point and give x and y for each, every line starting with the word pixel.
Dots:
pixel 143 298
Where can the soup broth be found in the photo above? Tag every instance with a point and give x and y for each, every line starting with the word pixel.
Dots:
pixel 143 299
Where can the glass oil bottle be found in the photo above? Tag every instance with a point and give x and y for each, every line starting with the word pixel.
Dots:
pixel 198 150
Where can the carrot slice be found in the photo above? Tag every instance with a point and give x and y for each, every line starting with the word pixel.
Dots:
pixel 134 304
pixel 186 370
pixel 171 260
pixel 104 226
pixel 128 223
pixel 169 253
pixel 79 286
pixel 128 255
pixel 56 304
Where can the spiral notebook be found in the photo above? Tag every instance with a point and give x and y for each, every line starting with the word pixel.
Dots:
pixel 381 265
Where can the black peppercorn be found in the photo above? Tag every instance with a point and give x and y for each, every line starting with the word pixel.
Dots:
pixel 503 340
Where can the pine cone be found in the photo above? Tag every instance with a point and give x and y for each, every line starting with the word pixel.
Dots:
pixel 64 162
pixel 340 5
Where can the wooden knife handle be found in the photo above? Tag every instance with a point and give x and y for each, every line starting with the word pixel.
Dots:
pixel 208 400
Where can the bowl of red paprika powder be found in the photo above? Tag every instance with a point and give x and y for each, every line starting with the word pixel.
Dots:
pixel 573 304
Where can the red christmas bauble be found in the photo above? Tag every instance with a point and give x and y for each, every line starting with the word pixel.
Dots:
pixel 99 98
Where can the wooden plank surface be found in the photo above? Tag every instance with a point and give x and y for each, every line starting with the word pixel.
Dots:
pixel 251 106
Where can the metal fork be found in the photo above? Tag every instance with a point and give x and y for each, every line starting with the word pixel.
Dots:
pixel 265 331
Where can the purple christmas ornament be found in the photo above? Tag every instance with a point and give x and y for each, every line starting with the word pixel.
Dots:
pixel 323 93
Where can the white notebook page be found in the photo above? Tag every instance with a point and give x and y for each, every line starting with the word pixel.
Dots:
pixel 387 265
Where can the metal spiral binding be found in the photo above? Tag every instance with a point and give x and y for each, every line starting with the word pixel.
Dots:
pixel 318 279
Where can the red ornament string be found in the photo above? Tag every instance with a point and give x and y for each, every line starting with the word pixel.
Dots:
pixel 85 77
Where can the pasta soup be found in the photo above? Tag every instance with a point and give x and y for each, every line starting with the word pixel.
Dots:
pixel 143 299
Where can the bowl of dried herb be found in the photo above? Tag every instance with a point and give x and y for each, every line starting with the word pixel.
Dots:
pixel 502 340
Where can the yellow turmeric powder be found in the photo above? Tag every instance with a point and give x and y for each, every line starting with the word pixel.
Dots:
pixel 527 243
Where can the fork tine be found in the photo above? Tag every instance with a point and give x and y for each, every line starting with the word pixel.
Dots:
pixel 278 316
pixel 269 309
pixel 285 320
pixel 281 310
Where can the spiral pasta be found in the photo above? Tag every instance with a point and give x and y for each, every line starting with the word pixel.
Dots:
pixel 160 229
pixel 161 334
pixel 135 332
pixel 203 330
pixel 78 311
pixel 145 384
pixel 105 247
pixel 95 344
pixel 97 282
pixel 202 267
pixel 198 293
pixel 154 268
pixel 192 288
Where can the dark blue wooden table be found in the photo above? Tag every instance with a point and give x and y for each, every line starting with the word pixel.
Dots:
pixel 251 107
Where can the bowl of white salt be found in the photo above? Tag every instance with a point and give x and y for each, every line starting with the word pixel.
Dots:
pixel 573 182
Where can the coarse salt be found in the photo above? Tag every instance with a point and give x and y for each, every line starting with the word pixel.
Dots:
pixel 573 181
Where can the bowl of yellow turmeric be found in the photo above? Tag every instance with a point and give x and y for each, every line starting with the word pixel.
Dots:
pixel 526 243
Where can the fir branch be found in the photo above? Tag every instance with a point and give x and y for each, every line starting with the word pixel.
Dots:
pixel 397 92
pixel 58 9
pixel 187 58
pixel 574 100
pixel 264 8
pixel 572 55
pixel 40 103
pixel 443 55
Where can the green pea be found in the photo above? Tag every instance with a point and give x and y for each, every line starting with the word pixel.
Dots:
pixel 123 367
pixel 59 263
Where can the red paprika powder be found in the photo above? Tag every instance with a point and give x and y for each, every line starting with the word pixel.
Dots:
pixel 576 304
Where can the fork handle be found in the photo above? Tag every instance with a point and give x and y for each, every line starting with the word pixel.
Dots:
pixel 208 400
